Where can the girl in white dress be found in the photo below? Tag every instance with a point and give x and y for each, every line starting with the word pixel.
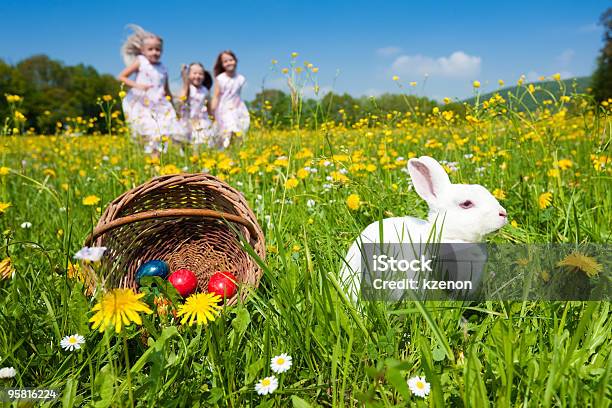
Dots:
pixel 231 114
pixel 147 105
pixel 194 103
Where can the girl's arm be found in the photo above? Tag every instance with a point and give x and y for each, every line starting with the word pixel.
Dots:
pixel 167 89
pixel 215 99
pixel 124 76
pixel 185 89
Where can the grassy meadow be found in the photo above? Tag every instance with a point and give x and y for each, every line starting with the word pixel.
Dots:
pixel 313 190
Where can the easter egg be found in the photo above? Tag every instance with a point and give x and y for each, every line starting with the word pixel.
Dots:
pixel 184 281
pixel 152 268
pixel 223 284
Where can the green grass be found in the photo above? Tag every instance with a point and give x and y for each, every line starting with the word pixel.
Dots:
pixel 488 354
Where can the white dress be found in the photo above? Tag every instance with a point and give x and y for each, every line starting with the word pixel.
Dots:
pixel 194 117
pixel 149 113
pixel 231 115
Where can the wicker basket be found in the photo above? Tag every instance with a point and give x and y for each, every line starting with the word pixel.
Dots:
pixel 190 221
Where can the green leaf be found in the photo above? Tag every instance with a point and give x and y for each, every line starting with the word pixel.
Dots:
pixel 68 398
pixel 104 385
pixel 299 403
pixel 395 377
pixel 241 321
pixel 438 353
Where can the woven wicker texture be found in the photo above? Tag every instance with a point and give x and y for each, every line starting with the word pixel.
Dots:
pixel 188 220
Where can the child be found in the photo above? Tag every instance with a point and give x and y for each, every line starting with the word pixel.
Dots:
pixel 230 111
pixel 195 104
pixel 146 106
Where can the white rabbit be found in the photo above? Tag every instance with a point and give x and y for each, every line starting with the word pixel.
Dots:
pixel 458 213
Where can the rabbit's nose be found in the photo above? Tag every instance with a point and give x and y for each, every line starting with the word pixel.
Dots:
pixel 503 213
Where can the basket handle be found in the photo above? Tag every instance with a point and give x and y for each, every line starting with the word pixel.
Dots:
pixel 173 212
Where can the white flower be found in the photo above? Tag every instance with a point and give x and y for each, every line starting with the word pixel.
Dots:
pixel 93 254
pixel 343 171
pixel 7 372
pixel 26 224
pixel 310 203
pixel 327 163
pixel 419 386
pixel 267 385
pixel 72 342
pixel 329 178
pixel 280 364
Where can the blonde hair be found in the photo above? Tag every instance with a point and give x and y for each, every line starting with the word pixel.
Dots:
pixel 132 47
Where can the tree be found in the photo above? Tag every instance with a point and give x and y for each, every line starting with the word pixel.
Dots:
pixel 53 91
pixel 602 78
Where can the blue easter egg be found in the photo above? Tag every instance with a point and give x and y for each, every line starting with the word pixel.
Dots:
pixel 152 268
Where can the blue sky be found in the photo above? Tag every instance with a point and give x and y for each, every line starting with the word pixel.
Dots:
pixel 357 45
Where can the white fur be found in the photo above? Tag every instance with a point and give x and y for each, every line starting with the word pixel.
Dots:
pixel 447 221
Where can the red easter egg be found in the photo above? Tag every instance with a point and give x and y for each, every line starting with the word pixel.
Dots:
pixel 223 284
pixel 184 281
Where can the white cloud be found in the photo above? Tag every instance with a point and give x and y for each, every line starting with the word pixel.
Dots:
pixel 389 51
pixel 566 57
pixel 456 65
pixel 589 28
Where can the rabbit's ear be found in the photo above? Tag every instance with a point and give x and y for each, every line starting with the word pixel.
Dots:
pixel 428 177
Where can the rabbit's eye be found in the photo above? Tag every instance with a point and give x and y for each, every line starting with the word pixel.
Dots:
pixel 466 204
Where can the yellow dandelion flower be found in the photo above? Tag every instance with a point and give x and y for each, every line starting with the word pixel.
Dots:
pixel 395 78
pixel 500 82
pixel 200 308
pixel 564 164
pixel 6 269
pixel 476 84
pixel 4 207
pixel 353 202
pixel 544 200
pixel 4 171
pixel 302 173
pixel 579 261
pixel 122 94
pixel 413 83
pixel 291 183
pixel 169 169
pixel 499 194
pixel 557 77
pixel 119 307
pixel 91 200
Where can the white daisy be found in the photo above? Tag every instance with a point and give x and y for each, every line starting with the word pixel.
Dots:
pixel 7 372
pixel 72 342
pixel 93 254
pixel 267 385
pixel 280 364
pixel 419 386
pixel 310 203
